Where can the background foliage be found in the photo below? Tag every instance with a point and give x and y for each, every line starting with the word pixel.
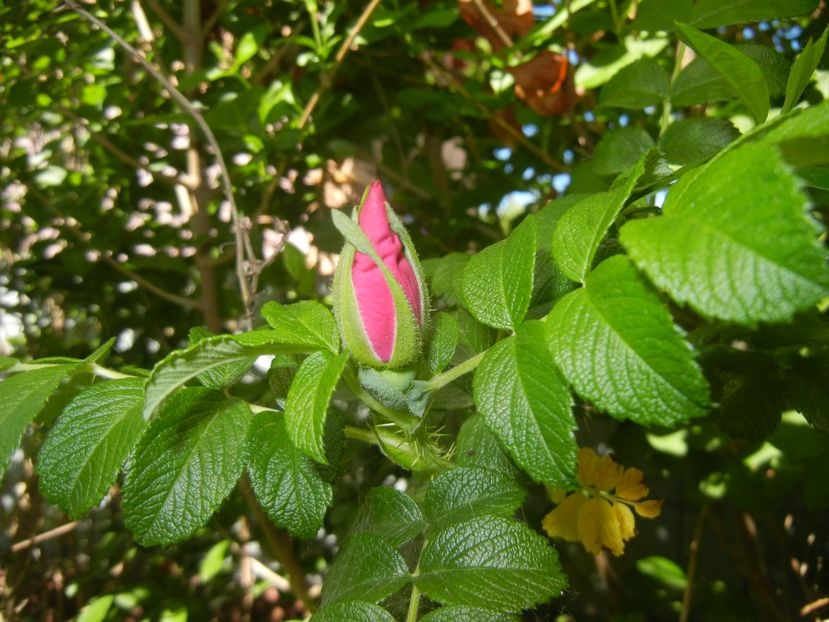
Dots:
pixel 487 124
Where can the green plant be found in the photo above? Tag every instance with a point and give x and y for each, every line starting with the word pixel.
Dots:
pixel 703 316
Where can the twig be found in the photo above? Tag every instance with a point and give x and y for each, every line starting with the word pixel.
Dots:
pixel 197 116
pixel 188 303
pixel 174 27
pixel 43 537
pixel 328 76
pixel 493 23
pixel 214 17
pixel 692 564
pixel 814 606
pixel 280 547
pixel 517 135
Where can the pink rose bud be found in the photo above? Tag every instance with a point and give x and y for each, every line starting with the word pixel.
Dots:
pixel 380 300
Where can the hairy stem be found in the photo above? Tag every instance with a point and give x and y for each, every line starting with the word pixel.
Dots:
pixel 441 380
pixel 360 434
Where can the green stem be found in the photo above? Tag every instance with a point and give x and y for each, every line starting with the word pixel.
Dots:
pixel 441 380
pixel 313 9
pixel 614 12
pixel 414 602
pixel 360 434
pixel 665 121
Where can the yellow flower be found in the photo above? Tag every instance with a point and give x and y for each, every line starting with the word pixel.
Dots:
pixel 600 513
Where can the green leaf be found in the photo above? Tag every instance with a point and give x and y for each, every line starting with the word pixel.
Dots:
pixel 445 275
pixel 616 343
pixel 742 73
pixel 463 613
pixel 549 282
pixel 610 59
pixel 691 141
pixel 526 404
pixel 307 403
pixel 643 83
pixel 6 362
pixel 490 562
pixel 185 465
pixel 663 570
pixel 96 609
pixel 352 610
pixel 712 13
pixel 477 446
pixel 225 375
pixel 620 149
pixel 389 514
pixel 751 404
pixel 656 15
pixel 581 229
pixel 498 281
pixel 209 356
pixel 213 561
pixel 280 376
pixel 466 492
pixel 734 241
pixel 803 69
pixel 92 438
pixel 22 397
pixel 701 83
pixel 579 232
pixel 303 323
pixel 101 352
pixel 805 383
pixel 436 18
pixel 286 482
pixel 442 342
pixel 367 568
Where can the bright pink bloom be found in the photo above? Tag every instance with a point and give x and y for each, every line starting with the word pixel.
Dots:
pixel 373 295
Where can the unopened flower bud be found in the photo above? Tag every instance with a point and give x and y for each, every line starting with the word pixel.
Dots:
pixel 379 296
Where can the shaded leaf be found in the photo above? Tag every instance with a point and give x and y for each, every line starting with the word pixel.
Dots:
pixel 489 562
pixel 466 492
pixel 367 568
pixel 389 514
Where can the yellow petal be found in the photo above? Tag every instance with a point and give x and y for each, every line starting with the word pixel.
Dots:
pixel 648 509
pixel 627 524
pixel 608 472
pixel 562 521
pixel 588 463
pixel 556 494
pixel 598 527
pixel 630 485
pixel 600 472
